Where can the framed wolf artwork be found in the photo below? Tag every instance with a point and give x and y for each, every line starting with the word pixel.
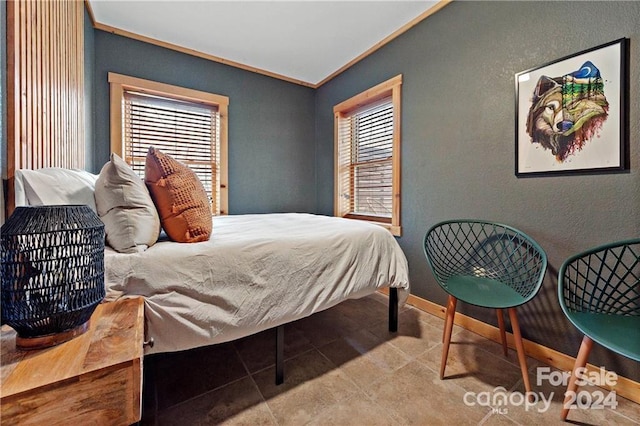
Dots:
pixel 572 114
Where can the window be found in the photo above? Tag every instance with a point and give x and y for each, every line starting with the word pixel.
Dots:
pixel 367 156
pixel 187 124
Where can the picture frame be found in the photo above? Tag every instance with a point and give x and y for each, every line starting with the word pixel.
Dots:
pixel 572 114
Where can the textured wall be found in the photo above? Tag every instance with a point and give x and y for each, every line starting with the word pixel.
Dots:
pixel 271 122
pixel 458 132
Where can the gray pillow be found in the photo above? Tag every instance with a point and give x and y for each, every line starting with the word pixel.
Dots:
pixel 131 221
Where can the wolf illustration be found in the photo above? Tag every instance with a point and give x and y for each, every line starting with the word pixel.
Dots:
pixel 567 111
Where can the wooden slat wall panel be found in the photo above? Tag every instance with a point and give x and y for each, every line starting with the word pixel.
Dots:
pixel 45 86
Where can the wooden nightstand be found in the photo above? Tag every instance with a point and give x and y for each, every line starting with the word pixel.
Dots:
pixel 96 378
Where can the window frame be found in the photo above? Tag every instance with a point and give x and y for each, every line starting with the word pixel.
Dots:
pixel 390 88
pixel 120 83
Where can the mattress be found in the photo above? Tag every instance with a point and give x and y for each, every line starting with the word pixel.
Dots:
pixel 256 272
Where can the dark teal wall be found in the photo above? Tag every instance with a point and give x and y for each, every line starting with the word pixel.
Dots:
pixel 458 140
pixel 271 122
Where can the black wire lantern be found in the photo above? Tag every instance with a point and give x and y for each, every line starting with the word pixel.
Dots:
pixel 52 272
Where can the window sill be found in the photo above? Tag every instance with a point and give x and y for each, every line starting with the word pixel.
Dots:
pixel 396 230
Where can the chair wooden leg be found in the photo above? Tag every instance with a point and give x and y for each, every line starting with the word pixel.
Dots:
pixel 503 333
pixel 444 329
pixel 448 327
pixel 522 359
pixel 581 361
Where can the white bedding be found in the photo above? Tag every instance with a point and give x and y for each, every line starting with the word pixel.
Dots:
pixel 256 272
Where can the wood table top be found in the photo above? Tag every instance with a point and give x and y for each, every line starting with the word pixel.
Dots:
pixel 114 337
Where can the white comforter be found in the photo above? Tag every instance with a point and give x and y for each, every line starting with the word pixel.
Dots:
pixel 256 272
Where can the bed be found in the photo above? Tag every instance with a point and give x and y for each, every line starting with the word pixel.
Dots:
pixel 256 271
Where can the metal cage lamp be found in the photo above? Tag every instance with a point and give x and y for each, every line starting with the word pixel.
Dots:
pixel 52 272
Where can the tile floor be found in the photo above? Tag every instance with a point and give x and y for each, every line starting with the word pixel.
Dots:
pixel 344 368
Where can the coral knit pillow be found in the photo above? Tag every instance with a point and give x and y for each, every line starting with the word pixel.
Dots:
pixel 182 202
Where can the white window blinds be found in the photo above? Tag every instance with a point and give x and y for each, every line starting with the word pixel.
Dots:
pixel 366 160
pixel 187 131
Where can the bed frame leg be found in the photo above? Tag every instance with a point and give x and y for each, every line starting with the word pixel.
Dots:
pixel 393 310
pixel 279 354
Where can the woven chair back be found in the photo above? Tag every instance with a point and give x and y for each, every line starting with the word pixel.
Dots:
pixel 603 280
pixel 486 249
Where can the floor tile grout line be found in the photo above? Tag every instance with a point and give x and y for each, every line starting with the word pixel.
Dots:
pixel 615 412
pixel 485 418
pixel 217 388
pixel 337 367
pixel 479 345
pixel 255 385
pixel 358 387
pixel 189 400
pixel 438 347
pixel 397 334
pixel 244 364
pixel 270 366
pixel 334 367
pixel 260 370
pixel 409 359
pixel 457 385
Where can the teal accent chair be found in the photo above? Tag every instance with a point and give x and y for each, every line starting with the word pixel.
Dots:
pixel 486 264
pixel 599 292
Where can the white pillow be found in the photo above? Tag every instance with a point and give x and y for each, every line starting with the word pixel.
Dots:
pixel 131 221
pixel 54 185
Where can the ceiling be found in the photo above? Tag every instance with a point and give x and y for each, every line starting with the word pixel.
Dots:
pixel 303 41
